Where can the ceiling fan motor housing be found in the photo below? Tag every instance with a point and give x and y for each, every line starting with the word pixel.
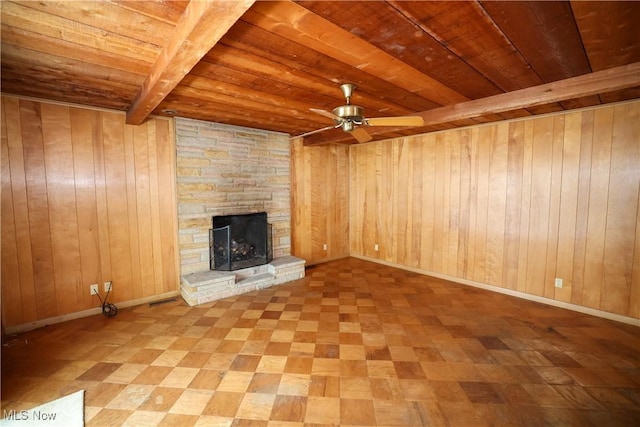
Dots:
pixel 349 112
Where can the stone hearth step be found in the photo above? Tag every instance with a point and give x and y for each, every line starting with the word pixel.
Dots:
pixel 206 286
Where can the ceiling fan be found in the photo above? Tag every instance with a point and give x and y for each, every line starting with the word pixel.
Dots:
pixel 351 118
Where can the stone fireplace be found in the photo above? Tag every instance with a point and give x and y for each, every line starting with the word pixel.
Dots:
pixel 223 171
pixel 227 170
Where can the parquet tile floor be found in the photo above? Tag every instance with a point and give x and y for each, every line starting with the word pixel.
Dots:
pixel 353 343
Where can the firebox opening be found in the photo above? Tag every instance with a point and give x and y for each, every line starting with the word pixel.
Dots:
pixel 240 241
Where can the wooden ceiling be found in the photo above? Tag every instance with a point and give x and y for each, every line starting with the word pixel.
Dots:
pixel 265 64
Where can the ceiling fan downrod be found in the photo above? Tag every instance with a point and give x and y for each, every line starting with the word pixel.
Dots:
pixel 350 114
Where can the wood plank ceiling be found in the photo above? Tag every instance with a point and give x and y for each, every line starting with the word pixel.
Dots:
pixel 265 64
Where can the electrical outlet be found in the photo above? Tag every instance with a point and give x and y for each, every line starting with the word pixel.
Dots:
pixel 93 289
pixel 375 247
pixel 107 286
pixel 324 247
pixel 558 282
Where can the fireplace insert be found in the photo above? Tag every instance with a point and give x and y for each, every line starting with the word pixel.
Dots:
pixel 239 241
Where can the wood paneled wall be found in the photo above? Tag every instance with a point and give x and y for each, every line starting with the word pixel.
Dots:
pixel 320 202
pixel 513 204
pixel 85 199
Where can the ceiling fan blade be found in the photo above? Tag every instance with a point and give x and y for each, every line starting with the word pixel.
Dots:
pixel 326 114
pixel 396 121
pixel 361 135
pixel 313 132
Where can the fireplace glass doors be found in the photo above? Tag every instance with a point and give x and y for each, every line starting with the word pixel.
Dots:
pixel 240 241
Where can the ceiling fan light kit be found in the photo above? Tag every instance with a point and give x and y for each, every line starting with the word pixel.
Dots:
pixel 351 118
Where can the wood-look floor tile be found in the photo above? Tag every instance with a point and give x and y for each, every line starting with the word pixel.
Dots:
pixel 194 360
pixel 235 381
pixel 172 420
pixel 126 373
pixel 355 388
pixel 294 385
pixel 99 371
pixel 256 406
pixel 324 386
pixel 152 375
pixel 353 343
pixel 289 408
pixel 102 394
pixel 131 397
pixel 110 417
pixel 357 412
pixel 272 364
pixel 161 399
pixel 206 379
pixel 480 392
pixel 322 410
pixel 396 413
pixel 223 404
pixel 191 402
pixel 264 383
pixel 298 365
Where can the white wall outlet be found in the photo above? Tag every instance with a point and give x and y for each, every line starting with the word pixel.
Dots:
pixel 376 247
pixel 93 289
pixel 107 286
pixel 324 247
pixel 558 282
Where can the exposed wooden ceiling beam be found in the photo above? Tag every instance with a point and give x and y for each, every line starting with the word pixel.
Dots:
pixel 599 82
pixel 618 78
pixel 297 24
pixel 201 26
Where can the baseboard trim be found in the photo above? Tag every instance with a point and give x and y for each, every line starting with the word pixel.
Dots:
pixel 25 327
pixel 510 292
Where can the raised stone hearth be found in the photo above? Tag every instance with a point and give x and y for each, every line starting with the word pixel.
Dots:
pixel 211 285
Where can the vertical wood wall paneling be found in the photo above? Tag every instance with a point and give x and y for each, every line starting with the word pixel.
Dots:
pixel 453 215
pixel 85 188
pixel 300 202
pixel 38 206
pixel 132 292
pixel 525 207
pixel 60 178
pixel 15 202
pixel 167 202
pixel 496 215
pixel 403 244
pixel 540 201
pixel 117 209
pixel 555 192
pixel 320 183
pixel 143 210
pixel 100 165
pixel 622 218
pixel 81 204
pixel 155 207
pixel 568 206
pixel 319 196
pixel 473 202
pixel 584 181
pixel 515 156
pixel 512 204
pixel 464 203
pixel 598 198
pixel 10 265
pixel 482 204
pixel 338 236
